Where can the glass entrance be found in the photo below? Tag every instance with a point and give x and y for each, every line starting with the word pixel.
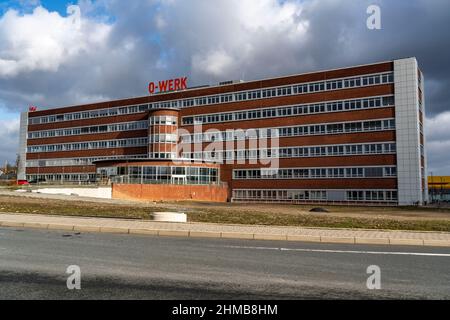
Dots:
pixel 179 179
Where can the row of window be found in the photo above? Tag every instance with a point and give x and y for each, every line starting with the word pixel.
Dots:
pixel 62 178
pixel 304 88
pixel 104 144
pixel 163 120
pixel 314 195
pixel 288 111
pixel 279 195
pixel 304 130
pixel 294 152
pixel 314 173
pixel 116 127
pixel 110 112
pixel 334 84
pixel 162 155
pixel 372 195
pixel 163 138
pixel 77 161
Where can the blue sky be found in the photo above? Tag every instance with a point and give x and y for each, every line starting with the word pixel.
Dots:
pixel 7 114
pixel 114 47
pixel 55 5
pixel 27 5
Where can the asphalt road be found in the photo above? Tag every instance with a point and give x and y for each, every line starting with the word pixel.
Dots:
pixel 33 266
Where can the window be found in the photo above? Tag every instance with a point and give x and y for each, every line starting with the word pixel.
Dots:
pixel 390 172
pixel 354 172
pixel 355 195
pixel 373 172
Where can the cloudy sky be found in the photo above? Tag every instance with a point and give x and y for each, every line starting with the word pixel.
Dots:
pixel 56 53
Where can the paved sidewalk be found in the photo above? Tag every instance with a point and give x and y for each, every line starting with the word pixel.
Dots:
pixel 204 230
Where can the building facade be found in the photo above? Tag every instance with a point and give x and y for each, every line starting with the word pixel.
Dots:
pixel 345 136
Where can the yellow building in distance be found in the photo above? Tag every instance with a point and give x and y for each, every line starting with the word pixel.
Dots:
pixel 439 188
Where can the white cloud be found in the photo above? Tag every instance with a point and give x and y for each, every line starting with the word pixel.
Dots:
pixel 437 132
pixel 114 47
pixel 225 39
pixel 9 131
pixel 438 127
pixel 216 62
pixel 43 40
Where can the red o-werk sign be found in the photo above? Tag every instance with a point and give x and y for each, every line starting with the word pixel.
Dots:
pixel 168 85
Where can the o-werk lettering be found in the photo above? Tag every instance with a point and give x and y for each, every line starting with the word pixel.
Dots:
pixel 168 85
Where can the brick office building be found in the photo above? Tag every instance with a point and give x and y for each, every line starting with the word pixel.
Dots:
pixel 351 135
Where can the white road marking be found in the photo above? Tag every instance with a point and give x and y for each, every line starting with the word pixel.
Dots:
pixel 424 254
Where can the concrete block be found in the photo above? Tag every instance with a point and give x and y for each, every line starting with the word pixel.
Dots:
pixel 169 217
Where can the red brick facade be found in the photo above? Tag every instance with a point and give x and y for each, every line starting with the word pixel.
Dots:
pixel 217 193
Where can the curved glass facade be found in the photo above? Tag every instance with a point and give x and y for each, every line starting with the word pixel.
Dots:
pixel 166 175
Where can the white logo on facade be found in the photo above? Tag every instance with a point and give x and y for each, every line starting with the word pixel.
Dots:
pixel 374 280
pixel 233 146
pixel 374 19
pixel 74 280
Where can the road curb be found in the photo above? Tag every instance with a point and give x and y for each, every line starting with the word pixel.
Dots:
pixel 228 235
pixel 114 230
pixel 86 229
pixel 238 235
pixel 34 225
pixel 436 243
pixel 343 240
pixel 303 238
pixel 406 242
pixel 205 234
pixel 173 233
pixel 274 237
pixel 381 241
pixel 144 232
pixel 10 224
pixel 65 227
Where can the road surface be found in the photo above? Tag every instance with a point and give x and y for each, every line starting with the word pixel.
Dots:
pixel 33 265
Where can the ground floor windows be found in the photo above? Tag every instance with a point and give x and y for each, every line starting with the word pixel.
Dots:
pixel 57 178
pixel 313 173
pixel 165 175
pixel 332 196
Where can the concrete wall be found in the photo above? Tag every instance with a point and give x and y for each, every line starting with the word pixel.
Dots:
pixel 169 192
pixel 23 136
pixel 103 193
